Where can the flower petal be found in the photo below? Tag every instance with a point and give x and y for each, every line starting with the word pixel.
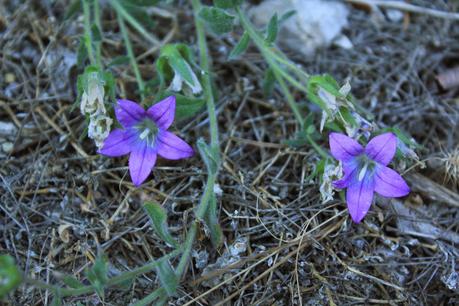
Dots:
pixel 118 143
pixel 389 183
pixel 128 112
pixel 171 146
pixel 382 148
pixel 343 147
pixel 359 196
pixel 349 173
pixel 141 162
pixel 163 112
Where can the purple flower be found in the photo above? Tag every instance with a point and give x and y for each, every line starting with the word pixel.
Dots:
pixel 145 136
pixel 365 171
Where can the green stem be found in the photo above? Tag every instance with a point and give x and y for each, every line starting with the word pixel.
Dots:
pixel 87 31
pixel 269 51
pixel 99 26
pixel 160 292
pixel 187 250
pixel 132 21
pixel 205 200
pixel 279 72
pixel 290 100
pixel 207 84
pixel 316 147
pixel 131 56
pixel 111 282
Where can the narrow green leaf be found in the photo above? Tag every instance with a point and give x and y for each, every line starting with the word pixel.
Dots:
pixel 96 34
pixel 181 67
pixel 240 47
pixel 97 275
pixel 211 220
pixel 57 299
pixel 72 282
pixel 119 60
pixel 159 219
pixel 73 9
pixel 167 277
pixel 210 157
pixel 82 53
pixel 217 19
pixel 187 107
pixel 144 2
pixel 272 29
pixel 226 4
pixel 286 16
pixel 136 9
pixel 268 83
pixel 10 277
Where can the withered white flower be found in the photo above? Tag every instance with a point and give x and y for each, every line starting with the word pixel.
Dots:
pixel 92 99
pixel 99 129
pixel 177 81
pixel 331 172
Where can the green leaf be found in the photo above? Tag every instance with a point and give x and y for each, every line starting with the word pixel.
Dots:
pixel 137 10
pixel 181 67
pixel 73 9
pixel 10 277
pixel 82 53
pixel 72 282
pixel 144 2
pixel 286 16
pixel 211 220
pixel 217 19
pixel 185 107
pixel 119 60
pixel 210 157
pixel 268 82
pixel 174 56
pixel 347 116
pixel 57 299
pixel 158 217
pixel 167 277
pixel 97 275
pixel 272 29
pixel 226 4
pixel 240 47
pixel 325 82
pixel 96 34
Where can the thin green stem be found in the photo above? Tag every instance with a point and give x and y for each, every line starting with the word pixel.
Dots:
pixel 207 84
pixel 160 292
pixel 269 51
pixel 133 22
pixel 204 203
pixel 279 73
pixel 111 282
pixel 87 31
pixel 99 26
pixel 187 250
pixel 316 147
pixel 290 100
pixel 131 56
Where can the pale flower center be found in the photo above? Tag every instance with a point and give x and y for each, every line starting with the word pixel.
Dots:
pixel 366 165
pixel 148 131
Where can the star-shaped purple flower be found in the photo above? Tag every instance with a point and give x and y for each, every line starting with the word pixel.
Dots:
pixel 365 171
pixel 145 136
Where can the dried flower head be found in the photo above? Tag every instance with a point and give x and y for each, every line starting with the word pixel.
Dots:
pixel 99 129
pixel 92 99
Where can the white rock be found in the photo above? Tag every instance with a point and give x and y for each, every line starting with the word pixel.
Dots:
pixel 316 23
